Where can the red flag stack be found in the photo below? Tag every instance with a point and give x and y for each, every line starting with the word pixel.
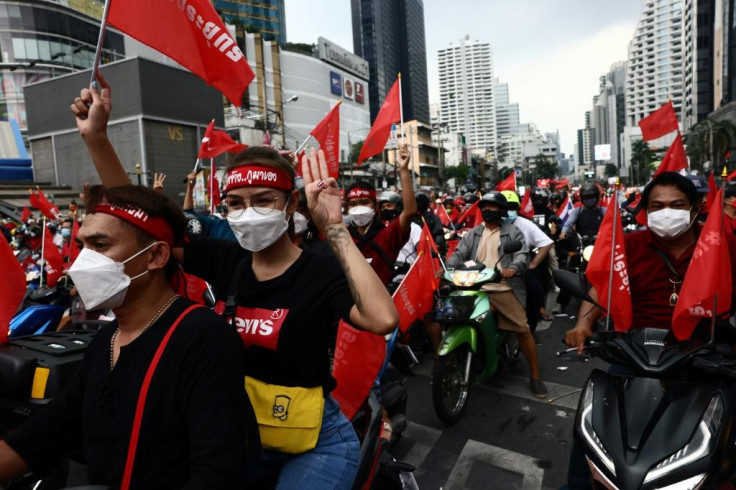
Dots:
pixel 12 288
pixel 190 33
pixel 327 133
pixel 599 269
pixel 390 112
pixel 708 274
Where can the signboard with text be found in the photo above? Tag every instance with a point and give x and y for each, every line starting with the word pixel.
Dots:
pixel 602 153
pixel 341 58
pixel 335 83
pixel 349 89
pixel 359 93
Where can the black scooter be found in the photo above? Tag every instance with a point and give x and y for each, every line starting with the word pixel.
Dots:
pixel 665 421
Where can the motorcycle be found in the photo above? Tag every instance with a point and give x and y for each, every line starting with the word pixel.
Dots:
pixel 472 348
pixel 666 421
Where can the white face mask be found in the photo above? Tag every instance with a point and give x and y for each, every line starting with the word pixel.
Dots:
pixel 300 223
pixel 256 231
pixel 361 215
pixel 668 222
pixel 100 281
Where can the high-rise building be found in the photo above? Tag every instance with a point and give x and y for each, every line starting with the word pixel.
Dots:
pixel 608 117
pixel 266 17
pixel 390 35
pixel 724 46
pixel 698 38
pixel 43 39
pixel 654 69
pixel 586 143
pixel 466 93
pixel 507 114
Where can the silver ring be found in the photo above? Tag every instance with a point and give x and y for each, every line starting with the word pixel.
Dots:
pixel 321 184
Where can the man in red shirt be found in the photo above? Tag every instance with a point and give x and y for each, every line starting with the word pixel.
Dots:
pixel 658 257
pixel 378 243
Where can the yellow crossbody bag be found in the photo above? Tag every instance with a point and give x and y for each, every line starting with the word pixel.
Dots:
pixel 289 417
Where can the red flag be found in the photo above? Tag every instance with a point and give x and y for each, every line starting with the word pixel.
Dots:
pixel 451 246
pixel 327 133
pixel 359 356
pixel 214 186
pixel 527 207
pixel 39 201
pixel 390 113
pixel 12 288
pixel 713 190
pixel 73 247
pixel 472 209
pixel 709 273
pixel 53 261
pixel 444 216
pixel 508 184
pixel 675 159
pixel 599 270
pixel 414 298
pixel 216 142
pixel 658 123
pixel 731 176
pixel 191 33
pixel 25 214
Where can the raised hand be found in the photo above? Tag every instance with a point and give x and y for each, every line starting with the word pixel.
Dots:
pixel 158 182
pixel 92 109
pixel 404 157
pixel 323 194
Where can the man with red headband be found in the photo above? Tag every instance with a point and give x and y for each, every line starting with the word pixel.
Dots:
pixel 158 401
pixel 381 244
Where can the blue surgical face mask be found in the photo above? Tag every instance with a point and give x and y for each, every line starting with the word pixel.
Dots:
pixel 511 215
pixel 66 232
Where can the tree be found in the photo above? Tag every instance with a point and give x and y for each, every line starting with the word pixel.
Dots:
pixel 458 172
pixel 709 141
pixel 611 170
pixel 641 158
pixel 546 168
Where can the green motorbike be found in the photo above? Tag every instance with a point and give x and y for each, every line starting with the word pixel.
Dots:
pixel 472 349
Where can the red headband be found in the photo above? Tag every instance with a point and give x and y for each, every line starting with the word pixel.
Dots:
pixel 258 176
pixel 158 227
pixel 358 192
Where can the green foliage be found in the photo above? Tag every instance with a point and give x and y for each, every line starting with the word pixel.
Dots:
pixel 641 159
pixel 546 168
pixel 709 141
pixel 611 170
pixel 458 172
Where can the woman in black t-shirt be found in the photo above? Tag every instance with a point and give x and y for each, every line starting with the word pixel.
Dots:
pixel 284 303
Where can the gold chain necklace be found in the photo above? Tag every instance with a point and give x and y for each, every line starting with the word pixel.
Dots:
pixel 153 320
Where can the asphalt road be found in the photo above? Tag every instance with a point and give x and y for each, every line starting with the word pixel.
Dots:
pixel 508 439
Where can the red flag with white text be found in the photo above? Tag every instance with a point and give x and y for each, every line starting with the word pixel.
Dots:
pixel 390 113
pixel 327 132
pixel 709 273
pixel 527 207
pixel 216 142
pixel 12 288
pixel 40 202
pixel 53 261
pixel 675 159
pixel 359 356
pixel 191 33
pixel 659 123
pixel 599 269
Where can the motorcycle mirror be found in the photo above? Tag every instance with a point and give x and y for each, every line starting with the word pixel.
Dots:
pixel 571 282
pixel 512 247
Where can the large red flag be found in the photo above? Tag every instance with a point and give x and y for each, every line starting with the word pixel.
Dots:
pixel 527 207
pixel 216 142
pixel 39 201
pixel 191 33
pixel 599 269
pixel 12 288
pixel 53 261
pixel 508 184
pixel 414 298
pixel 73 247
pixel 390 112
pixel 473 210
pixel 658 123
pixel 709 273
pixel 327 133
pixel 214 186
pixel 675 159
pixel 359 356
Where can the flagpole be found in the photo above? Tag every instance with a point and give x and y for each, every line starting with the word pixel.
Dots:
pixel 613 254
pixel 401 112
pixel 100 41
pixel 303 145
pixel 212 186
pixel 43 248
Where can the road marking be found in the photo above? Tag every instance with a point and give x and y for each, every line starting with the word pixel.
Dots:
pixel 424 439
pixel 500 458
pixel 518 386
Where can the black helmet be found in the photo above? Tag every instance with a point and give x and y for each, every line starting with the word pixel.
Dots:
pixel 422 202
pixel 389 196
pixel 495 197
pixel 589 190
pixel 470 198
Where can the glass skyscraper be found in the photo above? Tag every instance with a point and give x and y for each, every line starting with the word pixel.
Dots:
pixel 264 16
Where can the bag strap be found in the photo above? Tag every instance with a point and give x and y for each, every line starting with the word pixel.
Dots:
pixel 231 298
pixel 381 252
pixel 133 444
pixel 668 263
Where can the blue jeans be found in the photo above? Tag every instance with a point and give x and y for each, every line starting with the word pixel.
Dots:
pixel 332 464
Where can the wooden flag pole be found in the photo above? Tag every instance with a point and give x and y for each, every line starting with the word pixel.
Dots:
pixel 100 42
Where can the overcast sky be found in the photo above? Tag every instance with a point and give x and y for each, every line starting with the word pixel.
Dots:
pixel 551 52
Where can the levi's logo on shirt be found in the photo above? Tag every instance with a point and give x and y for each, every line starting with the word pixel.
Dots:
pixel 257 326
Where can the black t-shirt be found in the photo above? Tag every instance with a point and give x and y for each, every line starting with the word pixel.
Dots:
pixel 194 428
pixel 287 323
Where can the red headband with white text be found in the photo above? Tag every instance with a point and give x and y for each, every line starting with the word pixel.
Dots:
pixel 258 176
pixel 157 227
pixel 361 192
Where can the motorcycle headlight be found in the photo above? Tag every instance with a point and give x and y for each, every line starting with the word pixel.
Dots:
pixel 586 427
pixel 699 446
pixel 465 278
pixel 689 484
pixel 588 253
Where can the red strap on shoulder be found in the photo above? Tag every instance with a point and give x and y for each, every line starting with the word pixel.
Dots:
pixel 133 445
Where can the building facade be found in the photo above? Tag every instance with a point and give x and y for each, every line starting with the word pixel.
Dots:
pixel 698 24
pixel 389 34
pixel 266 17
pixel 466 93
pixel 507 114
pixel 44 39
pixel 608 116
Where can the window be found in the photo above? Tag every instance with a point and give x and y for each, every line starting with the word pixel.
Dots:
pixel 19 49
